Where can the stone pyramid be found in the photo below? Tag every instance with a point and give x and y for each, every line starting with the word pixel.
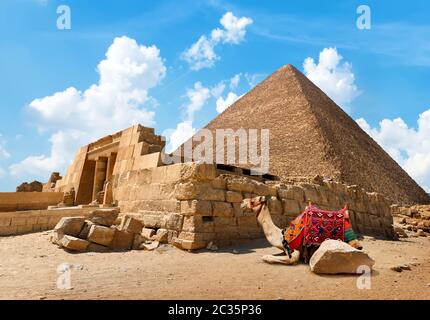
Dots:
pixel 310 135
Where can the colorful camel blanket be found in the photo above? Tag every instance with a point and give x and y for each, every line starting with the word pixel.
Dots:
pixel 314 226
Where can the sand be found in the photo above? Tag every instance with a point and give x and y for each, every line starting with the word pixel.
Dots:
pixel 28 270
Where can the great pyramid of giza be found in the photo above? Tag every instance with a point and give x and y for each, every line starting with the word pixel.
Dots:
pixel 310 135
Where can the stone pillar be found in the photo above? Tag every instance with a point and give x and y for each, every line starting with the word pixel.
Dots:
pixel 99 176
pixel 110 165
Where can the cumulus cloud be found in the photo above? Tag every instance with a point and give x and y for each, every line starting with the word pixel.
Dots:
pixel 332 76
pixel 119 99
pixel 234 82
pixel 202 54
pixel 4 154
pixel 410 147
pixel 222 104
pixel 197 98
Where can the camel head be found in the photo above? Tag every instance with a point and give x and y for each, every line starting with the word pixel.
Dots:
pixel 254 204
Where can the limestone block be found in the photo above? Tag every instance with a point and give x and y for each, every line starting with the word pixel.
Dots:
pixel 262 189
pixel 152 221
pixel 105 217
pixel 192 190
pixel 222 209
pixel 275 206
pixel 5 222
pixel 291 207
pixel 122 240
pixel 94 247
pixel 161 236
pixel 144 176
pixel 198 171
pixel 85 229
pixel 190 245
pixel 337 257
pixel 197 224
pixel 137 241
pixel 219 183
pixel 291 192
pixel 101 235
pixel 196 207
pixel 233 196
pixel 237 210
pixel 18 221
pixel 192 236
pixel 147 233
pixel 172 221
pixel 311 193
pixel 247 222
pixel 241 184
pixel 130 224
pixel 71 226
pixel 73 244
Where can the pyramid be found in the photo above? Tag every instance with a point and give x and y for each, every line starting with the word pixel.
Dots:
pixel 310 135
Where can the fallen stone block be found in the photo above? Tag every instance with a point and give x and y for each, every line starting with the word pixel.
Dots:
pixel 73 243
pixel 122 240
pixel 150 246
pixel 137 241
pixel 104 217
pixel 71 226
pixel 161 236
pixel 147 233
pixel 337 257
pixel 94 247
pixel 131 225
pixel 85 229
pixel 101 235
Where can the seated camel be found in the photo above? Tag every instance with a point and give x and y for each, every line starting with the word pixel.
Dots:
pixel 303 236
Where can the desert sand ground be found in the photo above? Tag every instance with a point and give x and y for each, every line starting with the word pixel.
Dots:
pixel 28 270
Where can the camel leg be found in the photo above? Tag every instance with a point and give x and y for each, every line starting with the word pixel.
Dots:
pixel 295 256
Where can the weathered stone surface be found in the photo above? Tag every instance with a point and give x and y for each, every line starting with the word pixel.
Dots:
pixel 275 206
pixel 150 246
pixel 222 209
pixel 122 240
pixel 291 192
pixel 291 207
pixel 101 235
pixel 336 257
pixel 94 247
pixel 147 233
pixel 105 217
pixel 130 224
pixel 240 184
pixel 137 241
pixel 196 207
pixel 34 186
pixel 262 189
pixel 161 236
pixel 71 226
pixel 73 243
pixel 85 229
pixel 233 196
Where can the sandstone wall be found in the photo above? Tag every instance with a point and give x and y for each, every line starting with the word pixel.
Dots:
pixel 198 205
pixel 13 223
pixel 18 201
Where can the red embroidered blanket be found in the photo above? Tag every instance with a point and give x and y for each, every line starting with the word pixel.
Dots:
pixel 314 226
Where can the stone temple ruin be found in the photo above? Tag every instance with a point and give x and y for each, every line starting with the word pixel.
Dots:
pixel 317 153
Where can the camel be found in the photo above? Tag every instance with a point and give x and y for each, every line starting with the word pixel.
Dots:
pixel 275 235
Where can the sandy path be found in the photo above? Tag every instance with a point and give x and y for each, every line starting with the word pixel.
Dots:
pixel 28 270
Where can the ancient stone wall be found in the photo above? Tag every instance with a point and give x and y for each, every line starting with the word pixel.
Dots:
pixel 18 201
pixel 198 204
pixel 13 223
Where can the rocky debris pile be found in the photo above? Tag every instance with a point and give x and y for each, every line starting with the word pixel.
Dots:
pixel 412 221
pixel 337 257
pixel 34 186
pixel 103 231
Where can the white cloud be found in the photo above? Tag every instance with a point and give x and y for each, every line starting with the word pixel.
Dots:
pixel 4 154
pixel 254 78
pixel 222 104
pixel 218 89
pixel 234 82
pixel 202 54
pixel 197 98
pixel 333 77
pixel 118 100
pixel 410 147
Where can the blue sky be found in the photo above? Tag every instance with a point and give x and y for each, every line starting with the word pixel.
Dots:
pixel 388 92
